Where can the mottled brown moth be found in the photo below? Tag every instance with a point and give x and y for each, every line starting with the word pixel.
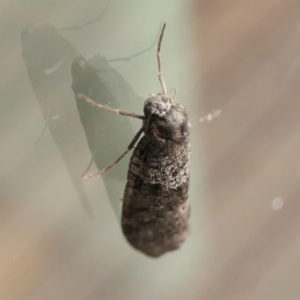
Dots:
pixel 156 207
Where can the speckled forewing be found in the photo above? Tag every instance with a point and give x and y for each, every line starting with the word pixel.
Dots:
pixel 155 204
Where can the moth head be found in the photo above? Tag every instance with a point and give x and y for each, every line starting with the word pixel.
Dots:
pixel 157 104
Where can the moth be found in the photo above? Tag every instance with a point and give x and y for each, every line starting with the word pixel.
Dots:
pixel 156 206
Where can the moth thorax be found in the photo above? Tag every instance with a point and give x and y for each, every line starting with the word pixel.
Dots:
pixel 157 104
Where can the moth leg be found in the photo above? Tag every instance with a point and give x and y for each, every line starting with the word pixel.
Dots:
pixel 114 110
pixel 130 146
pixel 160 75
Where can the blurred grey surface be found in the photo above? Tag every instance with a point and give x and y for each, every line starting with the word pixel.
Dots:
pixel 249 66
pixel 241 57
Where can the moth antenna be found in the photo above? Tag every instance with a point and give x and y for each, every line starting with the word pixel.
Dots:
pixel 160 75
